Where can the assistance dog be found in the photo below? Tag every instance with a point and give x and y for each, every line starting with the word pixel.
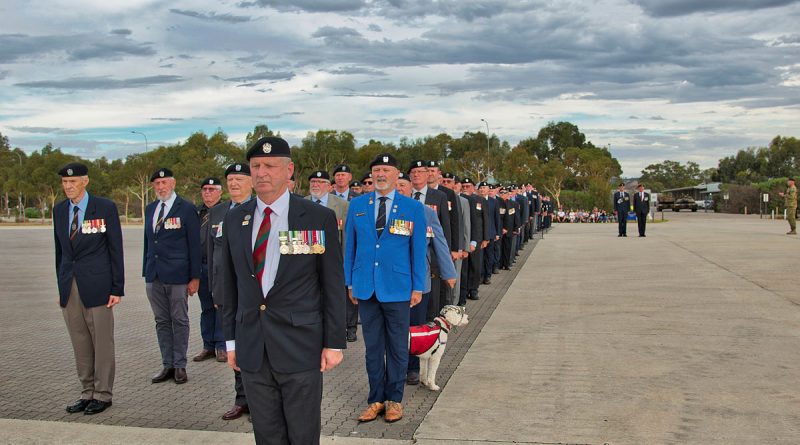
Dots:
pixel 429 340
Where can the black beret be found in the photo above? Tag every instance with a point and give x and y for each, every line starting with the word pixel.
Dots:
pixel 355 183
pixel 640 185
pixel 403 176
pixel 417 164
pixel 456 179
pixel 367 176
pixel 433 164
pixel 621 184
pixel 319 174
pixel 73 169
pixel 161 173
pixel 269 146
pixel 448 175
pixel 483 184
pixel 467 181
pixel 211 181
pixel 790 178
pixel 384 159
pixel 342 168
pixel 238 168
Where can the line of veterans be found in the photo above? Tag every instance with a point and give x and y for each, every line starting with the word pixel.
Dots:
pixel 283 280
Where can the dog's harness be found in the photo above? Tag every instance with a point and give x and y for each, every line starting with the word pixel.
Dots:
pixel 423 338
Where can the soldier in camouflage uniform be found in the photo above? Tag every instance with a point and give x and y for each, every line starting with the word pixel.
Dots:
pixel 790 201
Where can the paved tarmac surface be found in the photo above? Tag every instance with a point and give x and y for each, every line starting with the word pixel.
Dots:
pixel 688 336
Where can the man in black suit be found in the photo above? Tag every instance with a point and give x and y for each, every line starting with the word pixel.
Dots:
pixel 171 271
pixel 622 205
pixel 342 175
pixel 240 187
pixel 210 317
pixel 91 281
pixel 283 299
pixel 471 269
pixel 641 205
pixel 492 212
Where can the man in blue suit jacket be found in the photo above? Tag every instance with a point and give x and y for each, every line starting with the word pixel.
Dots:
pixel 385 269
pixel 91 280
pixel 171 270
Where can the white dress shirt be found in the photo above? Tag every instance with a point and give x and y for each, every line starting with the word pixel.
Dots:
pixel 169 202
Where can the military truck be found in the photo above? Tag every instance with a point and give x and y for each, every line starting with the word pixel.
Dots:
pixel 684 204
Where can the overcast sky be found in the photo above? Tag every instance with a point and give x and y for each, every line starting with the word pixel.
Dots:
pixel 653 79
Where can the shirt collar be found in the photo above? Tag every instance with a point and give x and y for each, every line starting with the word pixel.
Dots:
pixel 171 199
pixel 81 204
pixel 423 190
pixel 279 207
pixel 240 203
pixel 390 195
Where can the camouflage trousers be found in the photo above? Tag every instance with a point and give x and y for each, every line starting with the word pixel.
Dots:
pixel 791 216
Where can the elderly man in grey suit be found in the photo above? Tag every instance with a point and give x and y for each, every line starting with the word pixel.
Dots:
pixel 319 184
pixel 451 181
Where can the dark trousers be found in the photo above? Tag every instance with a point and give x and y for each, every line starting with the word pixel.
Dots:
pixel 434 303
pixel 622 222
pixel 238 386
pixel 352 316
pixel 384 327
pixel 498 251
pixel 641 220
pixel 475 267
pixel 417 316
pixel 463 289
pixel 488 259
pixel 507 242
pixel 284 408
pixel 210 317
pixel 171 311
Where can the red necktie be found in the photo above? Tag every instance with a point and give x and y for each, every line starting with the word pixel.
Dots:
pixel 260 248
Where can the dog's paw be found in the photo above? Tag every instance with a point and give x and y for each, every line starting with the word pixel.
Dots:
pixel 434 387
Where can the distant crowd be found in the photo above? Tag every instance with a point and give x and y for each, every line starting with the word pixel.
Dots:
pixel 583 216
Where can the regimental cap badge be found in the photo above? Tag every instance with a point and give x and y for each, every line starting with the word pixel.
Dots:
pixel 419 163
pixel 267 147
pixel 161 174
pixel 69 172
pixel 210 182
pixel 238 167
pixel 319 174
pixel 386 159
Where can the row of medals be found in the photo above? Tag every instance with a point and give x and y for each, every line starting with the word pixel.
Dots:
pixel 292 243
pixel 93 226
pixel 400 227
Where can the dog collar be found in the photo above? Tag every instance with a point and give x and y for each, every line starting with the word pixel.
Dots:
pixel 443 324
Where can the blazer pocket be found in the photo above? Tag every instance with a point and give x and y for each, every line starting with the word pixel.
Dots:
pixel 401 269
pixel 306 318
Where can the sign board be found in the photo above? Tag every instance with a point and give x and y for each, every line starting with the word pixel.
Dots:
pixel 766 197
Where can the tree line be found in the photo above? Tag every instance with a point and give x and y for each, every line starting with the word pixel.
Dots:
pixel 559 160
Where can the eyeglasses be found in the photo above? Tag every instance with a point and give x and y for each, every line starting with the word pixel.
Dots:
pixel 367 182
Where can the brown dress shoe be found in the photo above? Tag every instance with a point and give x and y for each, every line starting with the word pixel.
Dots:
pixel 222 356
pixel 205 354
pixel 394 412
pixel 163 376
pixel 180 376
pixel 235 412
pixel 371 413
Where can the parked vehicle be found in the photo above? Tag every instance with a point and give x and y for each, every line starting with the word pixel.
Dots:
pixel 684 204
pixel 664 202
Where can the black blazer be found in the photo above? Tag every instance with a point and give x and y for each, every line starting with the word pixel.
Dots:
pixel 639 205
pixel 454 207
pixel 439 199
pixel 622 202
pixel 96 261
pixel 173 255
pixel 213 247
pixel 305 308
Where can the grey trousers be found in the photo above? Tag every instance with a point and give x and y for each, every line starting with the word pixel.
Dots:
pixel 171 310
pixel 91 331
pixel 454 295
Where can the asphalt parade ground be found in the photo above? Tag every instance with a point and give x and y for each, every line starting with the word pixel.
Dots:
pixel 687 336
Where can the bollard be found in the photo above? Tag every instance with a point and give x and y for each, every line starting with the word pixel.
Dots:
pixel 745 210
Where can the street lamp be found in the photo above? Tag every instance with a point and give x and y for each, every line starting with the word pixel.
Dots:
pixel 145 139
pixel 487 148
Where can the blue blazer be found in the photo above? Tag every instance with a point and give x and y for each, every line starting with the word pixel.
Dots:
pixel 389 266
pixel 173 255
pixel 95 261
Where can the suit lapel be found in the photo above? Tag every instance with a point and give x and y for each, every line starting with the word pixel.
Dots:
pixel 89 215
pixel 65 230
pixel 247 233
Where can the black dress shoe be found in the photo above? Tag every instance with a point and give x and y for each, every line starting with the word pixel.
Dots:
pixel 412 378
pixel 78 406
pixel 495 271
pixel 96 407
pixel 180 376
pixel 625 235
pixel 487 281
pixel 351 337
pixel 473 297
pixel 619 236
pixel 164 375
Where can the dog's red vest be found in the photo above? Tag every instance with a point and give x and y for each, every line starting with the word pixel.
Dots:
pixel 422 338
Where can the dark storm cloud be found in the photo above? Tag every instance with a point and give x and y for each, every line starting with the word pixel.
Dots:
pixel 211 16
pixel 101 83
pixel 672 8
pixel 307 5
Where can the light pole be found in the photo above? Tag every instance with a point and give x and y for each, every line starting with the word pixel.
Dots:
pixel 145 139
pixel 487 148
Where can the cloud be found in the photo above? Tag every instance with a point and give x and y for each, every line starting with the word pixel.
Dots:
pixel 307 5
pixel 212 16
pixel 333 33
pixel 101 83
pixel 167 119
pixel 264 75
pixel 44 130
pixel 357 70
pixel 387 96
pixel 673 8
pixel 374 28
pixel 79 47
pixel 282 115
pixel 121 32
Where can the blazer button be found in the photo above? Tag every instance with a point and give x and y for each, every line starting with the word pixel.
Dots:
pixel 376 263
pixel 157 257
pixel 377 246
pixel 263 307
pixel 155 242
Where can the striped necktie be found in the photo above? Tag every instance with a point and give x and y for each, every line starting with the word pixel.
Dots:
pixel 74 226
pixel 380 222
pixel 260 248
